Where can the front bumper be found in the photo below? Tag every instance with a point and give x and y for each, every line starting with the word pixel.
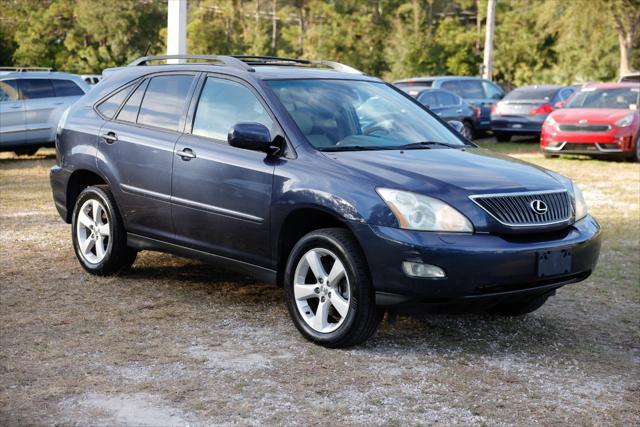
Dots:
pixel 477 266
pixel 615 141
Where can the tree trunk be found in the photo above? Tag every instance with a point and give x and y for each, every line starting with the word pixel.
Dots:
pixel 626 44
pixel 274 25
pixel 626 33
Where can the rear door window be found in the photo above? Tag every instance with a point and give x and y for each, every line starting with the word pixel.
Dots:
pixel 222 104
pixel 36 88
pixel 9 90
pixel 428 98
pixel 109 106
pixel 492 91
pixel 129 111
pixel 66 88
pixel 164 101
pixel 448 98
pixel 452 86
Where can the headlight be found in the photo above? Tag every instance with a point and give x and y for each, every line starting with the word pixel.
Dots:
pixel 581 205
pixel 417 212
pixel 625 121
pixel 549 120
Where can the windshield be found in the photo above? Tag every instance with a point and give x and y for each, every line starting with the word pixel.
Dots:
pixel 624 98
pixel 337 115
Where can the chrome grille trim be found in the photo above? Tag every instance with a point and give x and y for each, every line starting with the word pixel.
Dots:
pixel 513 209
pixel 587 127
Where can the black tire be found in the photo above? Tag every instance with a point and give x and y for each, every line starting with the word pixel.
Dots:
pixel 27 151
pixel 551 156
pixel 363 317
pixel 636 151
pixel 520 308
pixel 118 256
pixel 502 137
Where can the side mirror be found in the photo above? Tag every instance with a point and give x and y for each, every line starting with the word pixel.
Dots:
pixel 251 136
pixel 559 104
pixel 457 125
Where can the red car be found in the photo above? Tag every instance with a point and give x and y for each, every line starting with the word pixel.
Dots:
pixel 600 119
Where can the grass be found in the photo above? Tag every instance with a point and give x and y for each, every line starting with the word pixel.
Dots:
pixel 175 341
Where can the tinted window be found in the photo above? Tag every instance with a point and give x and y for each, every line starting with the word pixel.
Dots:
pixel 164 101
pixel 66 88
pixel 428 99
pixel 129 112
pixel 619 98
pixel 448 98
pixel 566 93
pixel 222 104
pixel 36 88
pixel 492 91
pixel 471 89
pixel 109 106
pixel 8 90
pixel 531 93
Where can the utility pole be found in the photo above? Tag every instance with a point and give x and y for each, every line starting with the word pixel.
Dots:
pixel 487 66
pixel 176 29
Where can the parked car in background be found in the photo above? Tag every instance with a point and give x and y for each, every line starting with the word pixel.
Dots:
pixel 449 106
pixel 600 119
pixel 31 103
pixel 630 78
pixel 524 109
pixel 316 177
pixel 91 79
pixel 478 92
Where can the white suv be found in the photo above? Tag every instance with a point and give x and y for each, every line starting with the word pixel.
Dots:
pixel 31 103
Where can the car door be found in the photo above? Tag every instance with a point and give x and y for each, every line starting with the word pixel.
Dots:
pixel 40 101
pixel 429 99
pixel 221 194
pixel 450 105
pixel 136 151
pixel 12 114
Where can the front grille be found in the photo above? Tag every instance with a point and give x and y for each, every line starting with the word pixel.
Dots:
pixel 580 147
pixel 515 209
pixel 574 127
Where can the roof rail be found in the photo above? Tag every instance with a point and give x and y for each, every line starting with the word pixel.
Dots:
pixel 226 60
pixel 21 69
pixel 275 60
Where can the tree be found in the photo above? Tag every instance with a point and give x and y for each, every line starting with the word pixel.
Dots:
pixel 626 16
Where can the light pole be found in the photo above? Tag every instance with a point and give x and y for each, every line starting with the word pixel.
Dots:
pixel 487 66
pixel 176 28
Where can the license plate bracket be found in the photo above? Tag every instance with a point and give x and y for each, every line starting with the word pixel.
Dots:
pixel 554 262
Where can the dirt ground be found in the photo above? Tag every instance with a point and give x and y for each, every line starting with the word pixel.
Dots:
pixel 175 342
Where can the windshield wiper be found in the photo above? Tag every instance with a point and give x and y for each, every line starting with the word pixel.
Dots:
pixel 426 144
pixel 349 148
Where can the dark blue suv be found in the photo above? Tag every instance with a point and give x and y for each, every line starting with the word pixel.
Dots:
pixel 335 185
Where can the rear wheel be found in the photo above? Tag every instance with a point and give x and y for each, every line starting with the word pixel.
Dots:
pixel 328 289
pixel 520 308
pixel 467 130
pixel 502 137
pixel 636 153
pixel 99 237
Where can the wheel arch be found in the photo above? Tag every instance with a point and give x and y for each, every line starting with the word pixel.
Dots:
pixel 78 181
pixel 299 222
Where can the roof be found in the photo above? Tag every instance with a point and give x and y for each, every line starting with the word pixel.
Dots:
pixel 432 78
pixel 611 85
pixel 541 87
pixel 37 74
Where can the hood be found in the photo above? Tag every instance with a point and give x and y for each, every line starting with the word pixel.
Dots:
pixel 595 115
pixel 444 172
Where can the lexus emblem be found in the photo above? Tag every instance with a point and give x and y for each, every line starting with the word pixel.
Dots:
pixel 539 207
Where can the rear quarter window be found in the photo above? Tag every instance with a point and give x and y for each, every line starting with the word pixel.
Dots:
pixel 109 106
pixel 66 88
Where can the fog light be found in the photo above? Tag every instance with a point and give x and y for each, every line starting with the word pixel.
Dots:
pixel 417 269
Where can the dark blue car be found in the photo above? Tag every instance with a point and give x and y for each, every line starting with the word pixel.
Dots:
pixel 480 93
pixel 334 185
pixel 449 106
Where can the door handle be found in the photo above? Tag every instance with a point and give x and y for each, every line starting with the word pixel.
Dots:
pixel 109 137
pixel 186 154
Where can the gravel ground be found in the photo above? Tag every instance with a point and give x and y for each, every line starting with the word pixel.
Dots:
pixel 175 342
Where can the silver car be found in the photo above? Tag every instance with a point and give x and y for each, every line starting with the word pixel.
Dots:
pixel 31 103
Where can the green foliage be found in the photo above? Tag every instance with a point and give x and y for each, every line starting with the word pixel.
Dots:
pixel 535 41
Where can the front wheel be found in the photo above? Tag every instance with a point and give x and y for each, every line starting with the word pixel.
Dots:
pixel 99 237
pixel 467 131
pixel 328 289
pixel 502 137
pixel 636 153
pixel 27 151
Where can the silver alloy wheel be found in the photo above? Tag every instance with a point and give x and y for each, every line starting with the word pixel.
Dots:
pixel 92 231
pixel 323 299
pixel 466 132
